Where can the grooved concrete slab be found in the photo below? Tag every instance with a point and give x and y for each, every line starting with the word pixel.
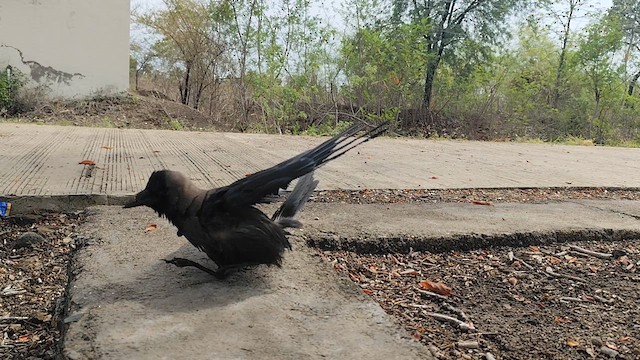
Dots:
pixel 43 160
pixel 135 306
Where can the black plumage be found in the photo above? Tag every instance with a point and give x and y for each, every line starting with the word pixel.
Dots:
pixel 224 222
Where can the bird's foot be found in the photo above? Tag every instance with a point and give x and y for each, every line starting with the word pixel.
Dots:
pixel 220 273
pixel 181 262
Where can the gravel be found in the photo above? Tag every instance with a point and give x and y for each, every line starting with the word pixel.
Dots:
pixel 35 253
pixel 479 196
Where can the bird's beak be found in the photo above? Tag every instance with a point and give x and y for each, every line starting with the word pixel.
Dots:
pixel 140 200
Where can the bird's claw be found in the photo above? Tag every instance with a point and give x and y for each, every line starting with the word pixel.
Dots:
pixel 221 273
pixel 179 262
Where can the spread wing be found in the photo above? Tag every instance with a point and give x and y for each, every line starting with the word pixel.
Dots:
pixel 254 188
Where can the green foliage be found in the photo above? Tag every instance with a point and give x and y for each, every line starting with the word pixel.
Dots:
pixel 11 80
pixel 575 140
pixel 327 129
pixel 595 49
pixel 388 115
pixel 175 124
pixel 189 51
pixel 277 102
pixel 382 66
pixel 481 23
pixel 273 66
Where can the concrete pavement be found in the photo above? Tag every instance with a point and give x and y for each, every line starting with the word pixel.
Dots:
pixel 44 160
pixel 131 305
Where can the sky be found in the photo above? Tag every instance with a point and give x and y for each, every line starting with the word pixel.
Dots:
pixel 146 3
pixel 326 9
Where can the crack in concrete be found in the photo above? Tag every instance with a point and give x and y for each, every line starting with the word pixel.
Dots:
pixel 39 71
pixel 637 217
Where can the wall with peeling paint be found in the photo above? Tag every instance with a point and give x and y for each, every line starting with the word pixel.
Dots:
pixel 75 47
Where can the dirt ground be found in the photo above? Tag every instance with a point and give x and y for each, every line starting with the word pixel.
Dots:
pixel 551 302
pixel 34 276
pixel 136 111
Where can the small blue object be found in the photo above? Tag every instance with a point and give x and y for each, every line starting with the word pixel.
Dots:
pixel 5 208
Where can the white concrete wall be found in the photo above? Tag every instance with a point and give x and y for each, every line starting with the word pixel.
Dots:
pixel 76 47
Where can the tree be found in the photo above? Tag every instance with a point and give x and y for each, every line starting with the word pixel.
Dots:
pixel 565 18
pixel 140 61
pixel 450 22
pixel 381 65
pixel 190 43
pixel 594 55
pixel 628 14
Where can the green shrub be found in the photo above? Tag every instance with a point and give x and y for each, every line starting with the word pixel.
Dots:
pixel 11 80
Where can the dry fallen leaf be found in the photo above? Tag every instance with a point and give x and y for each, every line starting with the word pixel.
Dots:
pixel 624 260
pixel 611 346
pixel 560 320
pixel 23 338
pixel 533 248
pixel 367 291
pixel 554 260
pixel 480 202
pixel 107 147
pixel 150 227
pixel 87 162
pixel 572 342
pixel 436 287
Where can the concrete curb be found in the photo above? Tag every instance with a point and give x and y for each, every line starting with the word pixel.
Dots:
pixel 466 242
pixel 30 204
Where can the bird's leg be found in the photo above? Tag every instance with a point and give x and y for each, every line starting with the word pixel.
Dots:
pixel 180 262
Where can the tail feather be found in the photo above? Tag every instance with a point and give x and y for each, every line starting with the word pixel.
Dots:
pixel 284 216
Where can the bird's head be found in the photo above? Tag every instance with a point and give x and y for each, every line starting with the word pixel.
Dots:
pixel 161 192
